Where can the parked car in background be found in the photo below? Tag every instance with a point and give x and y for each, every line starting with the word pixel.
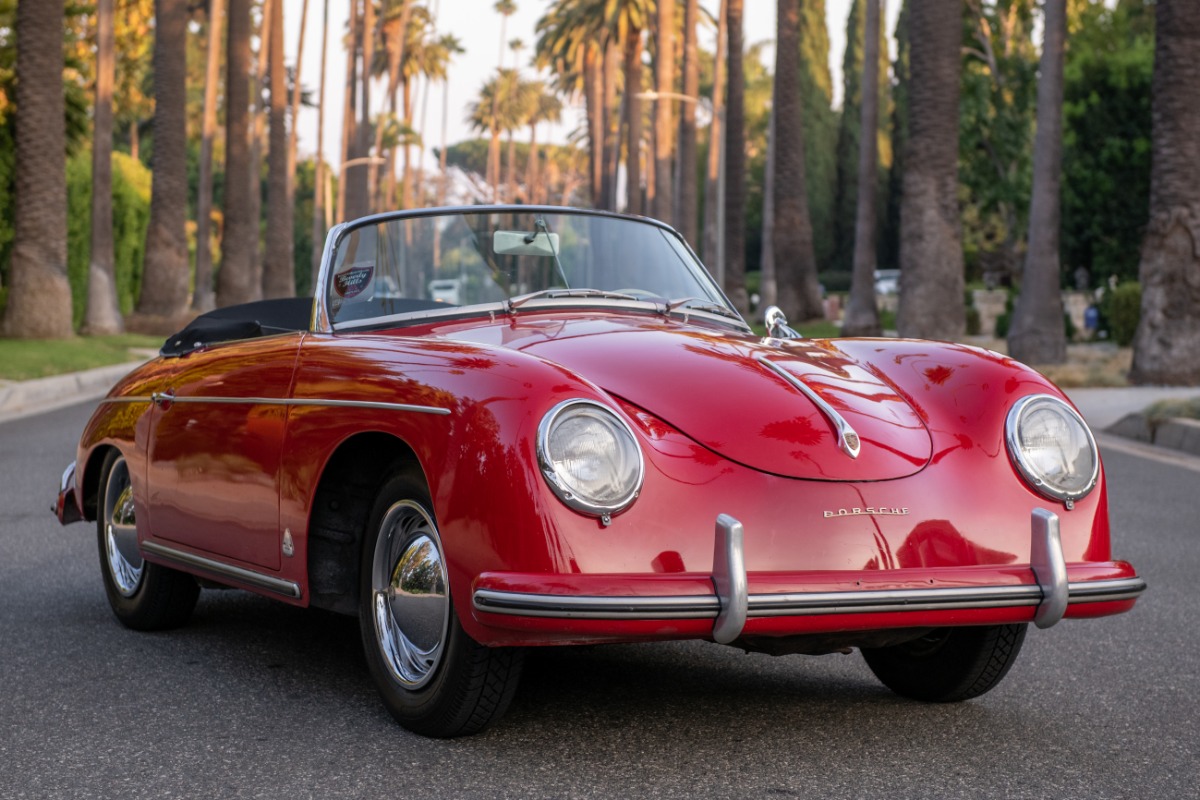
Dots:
pixel 887 281
pixel 589 445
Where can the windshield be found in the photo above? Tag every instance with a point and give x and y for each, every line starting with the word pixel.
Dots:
pixel 437 262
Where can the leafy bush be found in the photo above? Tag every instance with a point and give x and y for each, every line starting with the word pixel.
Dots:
pixel 1122 308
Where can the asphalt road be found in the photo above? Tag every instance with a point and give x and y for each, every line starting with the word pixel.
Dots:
pixel 258 699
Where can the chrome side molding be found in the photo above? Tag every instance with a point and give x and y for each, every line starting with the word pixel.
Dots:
pixel 239 574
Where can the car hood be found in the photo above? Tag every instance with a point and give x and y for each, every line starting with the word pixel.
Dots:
pixel 715 388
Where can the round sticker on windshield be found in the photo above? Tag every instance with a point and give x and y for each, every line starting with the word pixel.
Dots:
pixel 352 281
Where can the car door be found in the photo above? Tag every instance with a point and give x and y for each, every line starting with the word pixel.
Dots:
pixel 214 451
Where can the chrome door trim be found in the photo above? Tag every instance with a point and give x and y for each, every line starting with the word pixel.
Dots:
pixel 285 401
pixel 240 574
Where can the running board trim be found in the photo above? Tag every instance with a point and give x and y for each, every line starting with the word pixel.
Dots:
pixel 240 574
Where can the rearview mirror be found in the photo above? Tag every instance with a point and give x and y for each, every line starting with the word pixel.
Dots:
pixel 522 243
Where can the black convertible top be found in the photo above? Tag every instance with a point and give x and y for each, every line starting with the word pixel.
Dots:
pixel 245 321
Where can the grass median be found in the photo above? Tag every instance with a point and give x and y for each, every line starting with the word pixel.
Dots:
pixel 27 359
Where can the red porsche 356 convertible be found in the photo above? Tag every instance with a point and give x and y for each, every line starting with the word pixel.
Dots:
pixel 502 427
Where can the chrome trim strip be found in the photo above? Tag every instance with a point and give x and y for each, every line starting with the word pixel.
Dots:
pixel 956 598
pixel 1049 567
pixel 729 580
pixel 250 577
pixel 283 401
pixel 1105 591
pixel 128 399
pixel 848 441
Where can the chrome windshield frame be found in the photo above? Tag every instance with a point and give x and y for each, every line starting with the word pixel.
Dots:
pixel 322 321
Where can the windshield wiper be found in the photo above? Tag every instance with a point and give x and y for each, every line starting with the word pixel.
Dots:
pixel 517 302
pixel 703 304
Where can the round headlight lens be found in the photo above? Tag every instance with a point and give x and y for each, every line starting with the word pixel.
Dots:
pixel 1052 447
pixel 590 457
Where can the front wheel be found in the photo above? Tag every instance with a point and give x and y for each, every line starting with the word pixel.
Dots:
pixel 433 678
pixel 143 596
pixel 948 664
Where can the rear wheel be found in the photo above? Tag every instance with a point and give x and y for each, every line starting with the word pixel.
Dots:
pixel 144 596
pixel 433 678
pixel 948 664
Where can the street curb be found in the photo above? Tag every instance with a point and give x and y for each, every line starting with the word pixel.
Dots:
pixel 24 398
pixel 1174 434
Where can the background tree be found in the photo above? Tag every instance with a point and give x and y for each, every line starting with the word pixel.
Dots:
pixel 820 127
pixel 235 281
pixel 798 291
pixel 320 207
pixel 687 197
pixel 931 259
pixel 278 268
pixel 1166 348
pixel 39 295
pixel 664 85
pixel 103 314
pixel 1037 335
pixel 713 250
pixel 735 164
pixel 203 298
pixel 862 317
pixel 166 278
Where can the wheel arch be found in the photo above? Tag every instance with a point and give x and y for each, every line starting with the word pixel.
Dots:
pixel 341 507
pixel 89 486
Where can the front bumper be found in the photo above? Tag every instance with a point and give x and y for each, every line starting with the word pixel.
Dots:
pixel 66 507
pixel 730 603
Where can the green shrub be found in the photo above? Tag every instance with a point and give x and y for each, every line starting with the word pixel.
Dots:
pixel 1122 307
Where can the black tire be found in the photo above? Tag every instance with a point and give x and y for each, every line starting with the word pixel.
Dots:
pixel 143 596
pixel 432 677
pixel 948 664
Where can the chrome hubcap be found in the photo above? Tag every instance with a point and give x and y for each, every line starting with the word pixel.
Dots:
pixel 125 563
pixel 410 596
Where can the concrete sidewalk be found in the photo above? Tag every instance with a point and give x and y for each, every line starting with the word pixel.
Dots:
pixel 25 398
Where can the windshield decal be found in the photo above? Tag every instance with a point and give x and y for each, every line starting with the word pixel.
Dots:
pixel 352 281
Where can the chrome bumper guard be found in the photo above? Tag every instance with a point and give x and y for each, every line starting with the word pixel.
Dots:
pixel 732 605
pixel 66 509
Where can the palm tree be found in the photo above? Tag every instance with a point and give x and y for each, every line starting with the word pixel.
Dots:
pixel 862 317
pixel 664 86
pixel 103 313
pixel 39 295
pixel 505 8
pixel 931 259
pixel 319 181
pixel 451 45
pixel 279 274
pixel 349 119
pixel 297 92
pixel 1037 335
pixel 395 33
pixel 492 114
pixel 235 281
pixel 797 289
pixel 686 196
pixel 203 298
pixel 1166 348
pixel 259 135
pixel 712 249
pixel 166 275
pixel 546 108
pixel 735 166
pixel 362 178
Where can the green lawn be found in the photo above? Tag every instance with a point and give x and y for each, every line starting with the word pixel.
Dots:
pixel 24 359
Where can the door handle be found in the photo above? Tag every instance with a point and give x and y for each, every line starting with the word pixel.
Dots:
pixel 163 399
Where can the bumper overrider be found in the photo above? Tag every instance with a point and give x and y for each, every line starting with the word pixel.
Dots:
pixel 1044 591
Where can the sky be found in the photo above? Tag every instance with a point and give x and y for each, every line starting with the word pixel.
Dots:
pixel 478 26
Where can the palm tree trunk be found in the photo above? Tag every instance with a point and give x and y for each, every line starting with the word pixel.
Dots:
pixel 279 273
pixel 768 285
pixel 862 317
pixel 798 292
pixel 235 283
pixel 687 196
pixel 349 125
pixel 510 173
pixel 735 167
pixel 593 91
pixel 103 313
pixel 361 178
pixel 633 121
pixel 613 113
pixel 319 179
pixel 166 275
pixel 258 137
pixel 39 294
pixel 297 88
pixel 1037 335
pixel 1166 348
pixel 664 197
pixel 531 168
pixel 931 258
pixel 712 250
pixel 203 298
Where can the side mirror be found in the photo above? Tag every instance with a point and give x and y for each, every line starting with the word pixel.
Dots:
pixel 777 324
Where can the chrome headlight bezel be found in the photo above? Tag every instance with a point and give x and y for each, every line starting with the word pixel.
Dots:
pixel 1036 479
pixel 562 487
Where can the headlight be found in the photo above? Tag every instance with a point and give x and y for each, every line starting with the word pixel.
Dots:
pixel 590 457
pixel 1052 447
